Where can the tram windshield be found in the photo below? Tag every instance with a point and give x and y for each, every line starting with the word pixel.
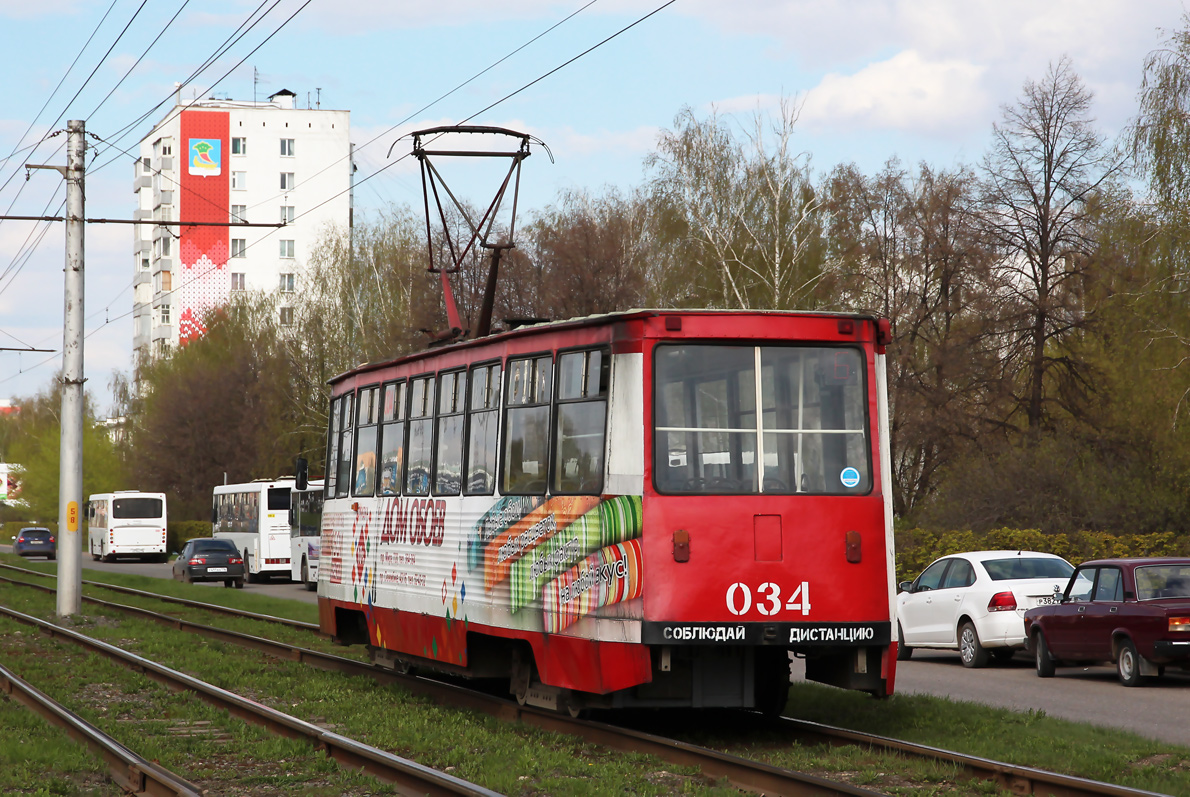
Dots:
pixel 809 436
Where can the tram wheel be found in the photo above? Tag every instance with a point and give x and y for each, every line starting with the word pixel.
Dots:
pixel 772 683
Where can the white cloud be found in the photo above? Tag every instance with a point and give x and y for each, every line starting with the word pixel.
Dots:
pixel 905 93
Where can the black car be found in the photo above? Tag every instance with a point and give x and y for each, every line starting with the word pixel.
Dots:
pixel 207 559
pixel 35 541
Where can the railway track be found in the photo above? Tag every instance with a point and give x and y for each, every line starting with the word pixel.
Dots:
pixel 409 776
pixel 130 771
pixel 741 773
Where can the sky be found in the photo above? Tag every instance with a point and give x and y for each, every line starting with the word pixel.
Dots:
pixel 919 80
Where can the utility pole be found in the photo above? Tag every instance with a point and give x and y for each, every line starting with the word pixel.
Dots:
pixel 70 474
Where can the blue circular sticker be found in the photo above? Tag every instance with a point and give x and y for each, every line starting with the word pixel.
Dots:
pixel 849 477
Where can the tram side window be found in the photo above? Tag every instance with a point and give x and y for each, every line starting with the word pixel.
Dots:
pixel 482 426
pixel 365 444
pixel 525 463
pixel 392 437
pixel 448 457
pixel 346 421
pixel 419 454
pixel 332 447
pixel 582 412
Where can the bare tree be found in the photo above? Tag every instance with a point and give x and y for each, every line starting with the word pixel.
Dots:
pixel 909 248
pixel 589 250
pixel 749 210
pixel 1159 137
pixel 1046 169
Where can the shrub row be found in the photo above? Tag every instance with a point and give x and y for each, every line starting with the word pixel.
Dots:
pixel 916 548
pixel 177 532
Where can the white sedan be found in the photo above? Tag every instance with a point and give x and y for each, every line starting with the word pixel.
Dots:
pixel 975 603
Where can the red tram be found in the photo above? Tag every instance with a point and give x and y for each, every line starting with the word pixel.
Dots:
pixel 649 508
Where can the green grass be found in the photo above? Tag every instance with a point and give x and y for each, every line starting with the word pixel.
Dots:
pixel 1029 739
pixel 243 599
pixel 520 760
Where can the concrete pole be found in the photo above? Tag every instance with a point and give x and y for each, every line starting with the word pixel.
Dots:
pixel 70 474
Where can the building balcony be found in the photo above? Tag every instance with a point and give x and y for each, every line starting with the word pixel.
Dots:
pixel 141 278
pixel 142 181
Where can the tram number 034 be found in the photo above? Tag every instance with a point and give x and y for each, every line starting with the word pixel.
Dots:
pixel 768 599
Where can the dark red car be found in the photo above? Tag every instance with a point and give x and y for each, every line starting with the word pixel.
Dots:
pixel 1135 612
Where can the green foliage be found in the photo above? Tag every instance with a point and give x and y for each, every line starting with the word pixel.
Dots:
pixel 32 438
pixel 11 527
pixel 217 407
pixel 178 532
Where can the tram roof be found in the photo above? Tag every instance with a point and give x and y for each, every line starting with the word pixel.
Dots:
pixel 578 322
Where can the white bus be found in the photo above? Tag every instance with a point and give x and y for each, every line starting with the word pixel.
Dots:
pixel 256 517
pixel 305 526
pixel 127 523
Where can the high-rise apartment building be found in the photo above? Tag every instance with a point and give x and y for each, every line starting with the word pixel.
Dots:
pixel 223 162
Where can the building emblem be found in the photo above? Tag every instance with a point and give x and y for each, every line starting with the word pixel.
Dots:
pixel 206 157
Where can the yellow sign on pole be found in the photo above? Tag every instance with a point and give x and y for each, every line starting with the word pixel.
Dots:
pixel 72 516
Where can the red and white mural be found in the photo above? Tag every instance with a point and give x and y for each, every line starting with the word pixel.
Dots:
pixel 204 196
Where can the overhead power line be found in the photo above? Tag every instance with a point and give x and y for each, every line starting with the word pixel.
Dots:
pixel 489 107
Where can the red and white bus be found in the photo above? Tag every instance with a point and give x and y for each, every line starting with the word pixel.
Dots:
pixel 649 508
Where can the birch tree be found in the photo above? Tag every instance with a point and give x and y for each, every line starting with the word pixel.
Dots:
pixel 747 210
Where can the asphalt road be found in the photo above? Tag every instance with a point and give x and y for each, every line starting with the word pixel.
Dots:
pixel 1158 710
pixel 276 589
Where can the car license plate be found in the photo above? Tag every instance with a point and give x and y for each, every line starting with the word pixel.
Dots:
pixel 37 542
pixel 1048 600
pixel 216 569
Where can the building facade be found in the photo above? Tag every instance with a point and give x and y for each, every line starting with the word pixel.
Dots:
pixel 223 164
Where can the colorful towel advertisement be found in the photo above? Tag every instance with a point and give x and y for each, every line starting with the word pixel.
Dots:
pixel 611 575
pixel 529 532
pixel 614 520
pixel 570 555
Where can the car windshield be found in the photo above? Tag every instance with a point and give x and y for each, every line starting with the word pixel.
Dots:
pixel 1027 567
pixel 1162 581
pixel 214 546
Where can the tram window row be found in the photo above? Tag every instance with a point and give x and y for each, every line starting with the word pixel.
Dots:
pixel 440 434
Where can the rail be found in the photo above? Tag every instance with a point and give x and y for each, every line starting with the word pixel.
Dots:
pixel 408 775
pixel 742 773
pixel 131 772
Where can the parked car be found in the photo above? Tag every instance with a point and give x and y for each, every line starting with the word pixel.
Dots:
pixel 1135 612
pixel 207 559
pixel 975 603
pixel 35 541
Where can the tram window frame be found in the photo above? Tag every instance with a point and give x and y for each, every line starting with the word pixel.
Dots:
pixel 346 447
pixel 388 423
pixel 428 401
pixel 363 476
pixel 535 486
pixel 866 484
pixel 602 393
pixel 494 385
pixel 457 413
pixel 332 448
